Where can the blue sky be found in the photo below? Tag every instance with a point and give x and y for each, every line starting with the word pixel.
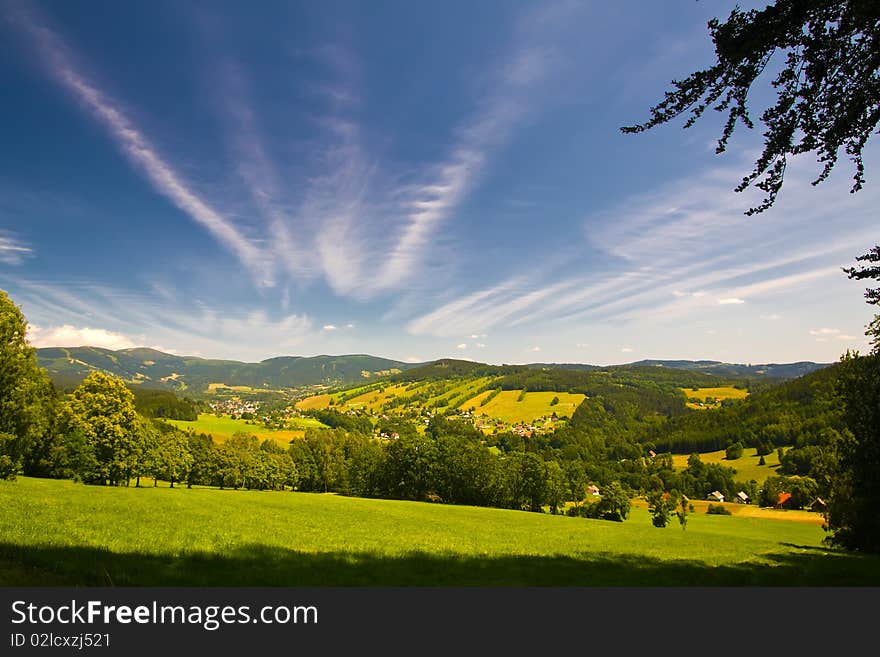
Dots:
pixel 410 180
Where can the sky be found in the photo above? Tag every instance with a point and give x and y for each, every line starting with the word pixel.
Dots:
pixel 408 180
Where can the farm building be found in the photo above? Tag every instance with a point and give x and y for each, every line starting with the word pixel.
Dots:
pixel 742 498
pixel 715 496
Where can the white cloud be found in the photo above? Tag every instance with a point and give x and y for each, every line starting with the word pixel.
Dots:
pixel 535 349
pixel 329 327
pixel 582 345
pixel 847 337
pixel 463 345
pixel 413 359
pixel 12 251
pixel 480 345
pixel 730 301
pixel 349 325
pixel 71 336
pixel 772 318
pixel 825 331
pixel 627 350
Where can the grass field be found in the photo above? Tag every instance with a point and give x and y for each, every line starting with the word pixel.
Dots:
pixel 506 407
pixel 718 394
pixel 223 428
pixel 746 467
pixel 61 533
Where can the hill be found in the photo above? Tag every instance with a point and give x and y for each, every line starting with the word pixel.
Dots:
pixel 155 369
pixel 89 535
pixel 795 412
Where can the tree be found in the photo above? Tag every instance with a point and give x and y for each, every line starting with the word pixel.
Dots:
pixel 172 458
pixel 105 430
pixel 734 451
pixel 26 394
pixel 682 513
pixel 615 503
pixel 659 507
pixel 827 90
pixel 853 515
pixel 872 295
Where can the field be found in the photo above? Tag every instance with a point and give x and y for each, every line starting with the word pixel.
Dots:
pixel 223 428
pixel 746 467
pixel 373 398
pixel 62 533
pixel 507 407
pixel 712 397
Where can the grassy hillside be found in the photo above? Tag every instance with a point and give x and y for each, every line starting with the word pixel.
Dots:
pixel 746 466
pixel 223 428
pixel 58 532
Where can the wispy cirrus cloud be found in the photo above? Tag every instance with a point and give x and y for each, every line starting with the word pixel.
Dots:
pixel 60 62
pixel 12 250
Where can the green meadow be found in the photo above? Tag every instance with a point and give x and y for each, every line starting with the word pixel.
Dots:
pixel 62 533
pixel 718 394
pixel 508 407
pixel 746 466
pixel 224 427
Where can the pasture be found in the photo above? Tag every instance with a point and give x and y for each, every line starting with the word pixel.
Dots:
pixel 746 467
pixel 224 427
pixel 507 407
pixel 62 533
pixel 712 397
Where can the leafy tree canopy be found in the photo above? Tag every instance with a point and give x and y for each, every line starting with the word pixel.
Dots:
pixel 827 91
pixel 26 395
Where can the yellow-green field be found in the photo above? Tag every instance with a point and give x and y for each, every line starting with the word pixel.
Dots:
pixel 61 533
pixel 746 467
pixel 214 387
pixel 718 394
pixel 752 511
pixel 507 407
pixel 223 428
pixel 373 399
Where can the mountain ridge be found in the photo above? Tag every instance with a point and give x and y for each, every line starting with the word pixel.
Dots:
pixel 151 368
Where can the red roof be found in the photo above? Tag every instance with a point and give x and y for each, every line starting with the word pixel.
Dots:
pixel 783 498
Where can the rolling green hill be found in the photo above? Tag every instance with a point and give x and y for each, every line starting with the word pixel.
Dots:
pixel 62 533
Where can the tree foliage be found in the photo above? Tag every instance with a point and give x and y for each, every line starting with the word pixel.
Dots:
pixel 26 394
pixel 853 515
pixel 827 91
pixel 106 430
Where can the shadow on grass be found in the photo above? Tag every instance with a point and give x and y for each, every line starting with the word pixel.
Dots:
pixel 259 565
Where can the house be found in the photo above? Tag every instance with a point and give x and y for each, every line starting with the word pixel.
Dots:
pixel 715 496
pixel 592 490
pixel 742 498
pixel 784 501
pixel 818 505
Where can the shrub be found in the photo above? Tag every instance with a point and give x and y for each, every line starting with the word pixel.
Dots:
pixel 718 510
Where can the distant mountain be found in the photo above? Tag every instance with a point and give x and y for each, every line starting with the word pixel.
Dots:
pixel 767 370
pixel 713 367
pixel 155 369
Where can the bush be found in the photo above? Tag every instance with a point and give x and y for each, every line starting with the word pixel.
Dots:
pixel 718 510
pixel 734 451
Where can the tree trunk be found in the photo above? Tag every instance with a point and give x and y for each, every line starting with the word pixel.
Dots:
pixel 137 483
